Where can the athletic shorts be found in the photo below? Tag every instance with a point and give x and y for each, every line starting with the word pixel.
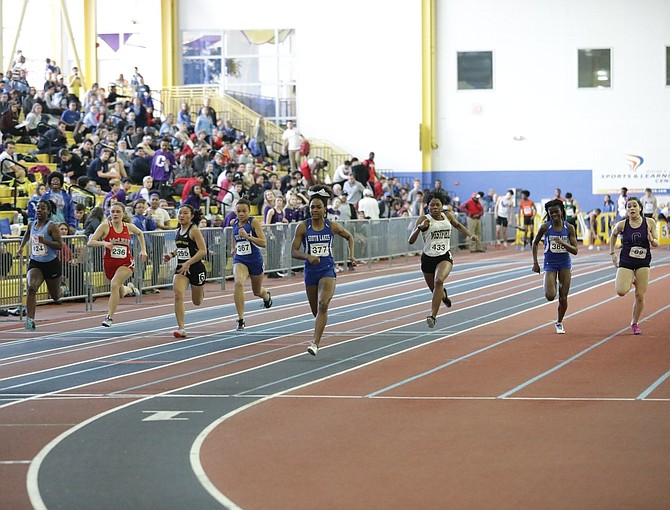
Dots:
pixel 502 221
pixel 633 265
pixel 50 270
pixel 255 267
pixel 555 267
pixel 111 265
pixel 313 276
pixel 196 274
pixel 527 220
pixel 429 264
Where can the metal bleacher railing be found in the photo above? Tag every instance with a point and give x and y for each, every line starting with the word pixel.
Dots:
pixel 243 118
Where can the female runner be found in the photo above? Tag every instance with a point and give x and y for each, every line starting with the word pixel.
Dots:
pixel 191 249
pixel 638 235
pixel 560 241
pixel 45 243
pixel 248 238
pixel 316 234
pixel 118 261
pixel 436 260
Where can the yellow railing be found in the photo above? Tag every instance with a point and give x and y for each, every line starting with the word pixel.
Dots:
pixel 242 118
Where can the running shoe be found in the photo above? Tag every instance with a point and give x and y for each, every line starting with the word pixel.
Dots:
pixel 180 333
pixel 30 324
pixel 560 329
pixel 446 299
pixel 430 320
pixel 313 349
pixel 636 329
pixel 268 303
pixel 240 324
pixel 136 292
pixel 108 322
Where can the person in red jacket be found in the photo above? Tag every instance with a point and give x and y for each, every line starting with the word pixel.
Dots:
pixel 474 211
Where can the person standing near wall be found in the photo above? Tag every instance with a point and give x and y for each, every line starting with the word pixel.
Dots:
pixel 504 208
pixel 571 210
pixel 649 204
pixel 638 235
pixel 291 139
pixel 527 212
pixel 474 211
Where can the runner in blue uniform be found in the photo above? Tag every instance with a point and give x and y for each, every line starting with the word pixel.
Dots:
pixel 315 237
pixel 560 241
pixel 436 260
pixel 248 239
pixel 45 243
pixel 638 235
pixel 191 249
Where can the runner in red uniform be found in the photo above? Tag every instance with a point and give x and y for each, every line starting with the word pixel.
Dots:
pixel 118 260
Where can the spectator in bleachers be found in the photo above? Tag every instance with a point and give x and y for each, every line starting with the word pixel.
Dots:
pixel 74 84
pixel 168 128
pixel 124 155
pixel 93 221
pixel 342 173
pixel 10 169
pixel 160 216
pixel 91 119
pixel 29 100
pixel 53 140
pixel 4 101
pixel 162 164
pixel 195 197
pixel 9 120
pixel 145 190
pixel 184 116
pixel 354 189
pixel 204 123
pixel 40 189
pixel 80 215
pixel 85 151
pixel 63 201
pixel 103 168
pixel 32 121
pixel 71 116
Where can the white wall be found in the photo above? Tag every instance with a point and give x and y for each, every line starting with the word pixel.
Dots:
pixel 535 91
pixel 359 68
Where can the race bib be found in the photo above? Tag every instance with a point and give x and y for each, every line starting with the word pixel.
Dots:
pixel 39 249
pixel 555 246
pixel 319 249
pixel 527 210
pixel 637 252
pixel 119 251
pixel 438 247
pixel 183 253
pixel 243 248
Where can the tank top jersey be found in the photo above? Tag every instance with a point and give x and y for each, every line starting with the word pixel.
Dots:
pixel 437 239
pixel 186 247
pixel 555 253
pixel 245 250
pixel 319 243
pixel 635 245
pixel 40 252
pixel 527 207
pixel 647 205
pixel 121 251
pixel 570 209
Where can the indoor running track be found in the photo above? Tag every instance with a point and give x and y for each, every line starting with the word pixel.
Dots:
pixel 491 409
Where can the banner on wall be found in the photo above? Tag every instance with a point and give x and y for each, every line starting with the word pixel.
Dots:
pixel 633 171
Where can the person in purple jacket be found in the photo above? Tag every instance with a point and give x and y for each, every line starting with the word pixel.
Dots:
pixel 162 164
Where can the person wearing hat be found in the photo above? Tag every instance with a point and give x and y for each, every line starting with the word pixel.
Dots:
pixel 474 210
pixel 369 205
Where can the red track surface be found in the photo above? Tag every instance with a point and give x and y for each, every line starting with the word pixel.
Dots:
pixel 576 438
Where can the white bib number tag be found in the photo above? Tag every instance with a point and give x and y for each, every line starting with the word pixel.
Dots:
pixel 638 252
pixel 243 248
pixel 183 254
pixel 39 249
pixel 319 249
pixel 438 247
pixel 555 246
pixel 119 251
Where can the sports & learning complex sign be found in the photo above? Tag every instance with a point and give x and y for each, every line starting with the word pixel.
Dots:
pixel 633 173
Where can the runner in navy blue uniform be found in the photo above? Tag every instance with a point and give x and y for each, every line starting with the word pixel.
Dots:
pixel 638 235
pixel 436 260
pixel 315 237
pixel 560 241
pixel 248 239
pixel 191 249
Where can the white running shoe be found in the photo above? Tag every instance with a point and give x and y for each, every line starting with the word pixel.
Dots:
pixel 108 322
pixel 430 320
pixel 560 329
pixel 30 324
pixel 136 292
pixel 313 349
pixel 180 333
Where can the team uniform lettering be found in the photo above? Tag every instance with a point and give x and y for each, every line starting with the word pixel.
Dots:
pixel 555 246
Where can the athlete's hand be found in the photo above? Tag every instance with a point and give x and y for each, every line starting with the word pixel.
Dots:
pixel 143 256
pixel 185 268
pixel 536 267
pixel 313 260
pixel 243 234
